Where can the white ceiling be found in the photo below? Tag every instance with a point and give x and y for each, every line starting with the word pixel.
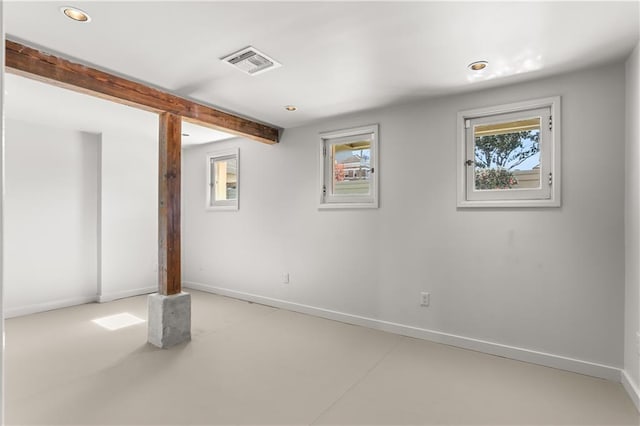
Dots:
pixel 36 102
pixel 337 57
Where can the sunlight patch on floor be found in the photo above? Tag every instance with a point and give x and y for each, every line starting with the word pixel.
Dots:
pixel 118 321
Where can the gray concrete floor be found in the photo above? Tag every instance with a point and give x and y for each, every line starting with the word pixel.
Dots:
pixel 252 364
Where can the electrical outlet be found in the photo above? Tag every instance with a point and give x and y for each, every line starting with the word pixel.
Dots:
pixel 285 278
pixel 424 299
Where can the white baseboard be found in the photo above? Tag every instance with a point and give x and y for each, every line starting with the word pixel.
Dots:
pixel 632 388
pixel 48 306
pixel 108 297
pixel 58 304
pixel 65 303
pixel 550 360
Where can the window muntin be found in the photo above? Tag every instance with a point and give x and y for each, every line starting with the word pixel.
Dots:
pixel 348 168
pixel 511 155
pixel 223 180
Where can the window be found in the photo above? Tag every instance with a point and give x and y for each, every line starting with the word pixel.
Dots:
pixel 509 155
pixel 222 180
pixel 349 168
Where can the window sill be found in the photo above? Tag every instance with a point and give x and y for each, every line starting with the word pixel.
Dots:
pixel 221 208
pixel 508 203
pixel 337 206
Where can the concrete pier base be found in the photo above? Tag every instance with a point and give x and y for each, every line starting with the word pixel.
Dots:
pixel 169 319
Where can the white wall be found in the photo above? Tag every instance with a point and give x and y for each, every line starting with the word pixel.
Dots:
pixel 87 218
pixel 129 215
pixel 547 280
pixel 632 226
pixel 51 212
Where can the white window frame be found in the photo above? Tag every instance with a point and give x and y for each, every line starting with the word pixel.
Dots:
pixel 332 201
pixel 549 157
pixel 222 204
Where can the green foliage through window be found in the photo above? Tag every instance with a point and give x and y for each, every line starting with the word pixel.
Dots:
pixel 498 155
pixel 495 179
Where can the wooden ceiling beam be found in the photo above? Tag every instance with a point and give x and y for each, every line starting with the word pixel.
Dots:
pixel 32 63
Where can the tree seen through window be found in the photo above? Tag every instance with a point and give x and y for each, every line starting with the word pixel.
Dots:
pixel 507 155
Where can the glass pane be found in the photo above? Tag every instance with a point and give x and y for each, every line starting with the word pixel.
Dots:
pixel 225 179
pixel 507 155
pixel 351 167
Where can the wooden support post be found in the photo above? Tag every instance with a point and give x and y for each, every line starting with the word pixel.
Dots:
pixel 170 308
pixel 169 205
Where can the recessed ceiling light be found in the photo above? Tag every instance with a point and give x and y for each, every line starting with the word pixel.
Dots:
pixel 290 108
pixel 75 14
pixel 478 65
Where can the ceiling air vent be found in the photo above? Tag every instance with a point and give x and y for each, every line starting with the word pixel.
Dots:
pixel 251 61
